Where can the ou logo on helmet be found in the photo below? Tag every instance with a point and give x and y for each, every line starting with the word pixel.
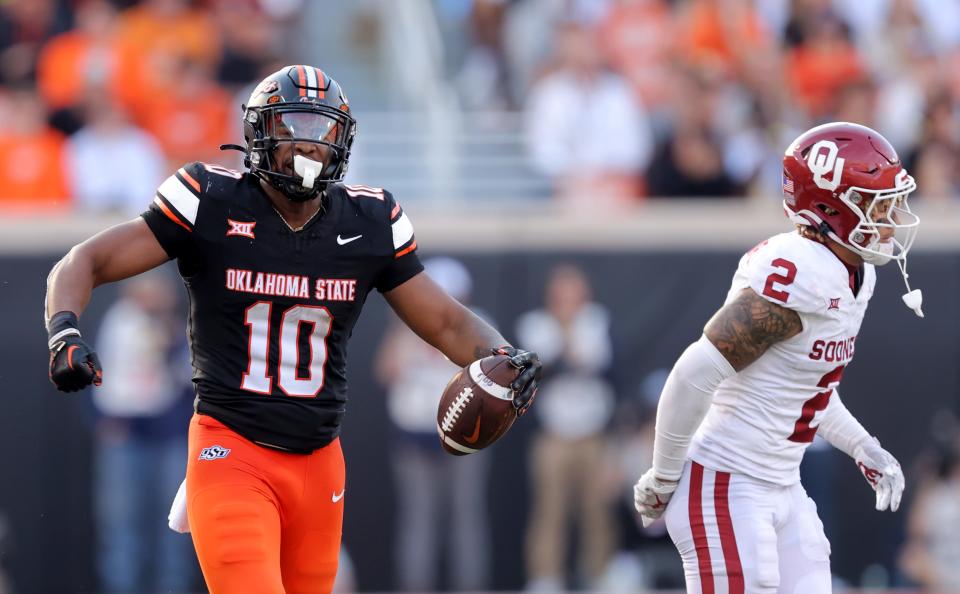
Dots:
pixel 823 160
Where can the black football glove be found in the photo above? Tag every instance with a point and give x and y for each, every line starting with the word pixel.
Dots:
pixel 73 364
pixel 528 380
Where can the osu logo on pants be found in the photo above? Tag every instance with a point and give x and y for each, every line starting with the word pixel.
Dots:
pixel 214 452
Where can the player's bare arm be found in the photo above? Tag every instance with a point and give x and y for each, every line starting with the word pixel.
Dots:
pixel 745 328
pixel 120 252
pixel 115 254
pixel 442 321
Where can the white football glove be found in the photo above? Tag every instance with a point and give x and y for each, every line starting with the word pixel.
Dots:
pixel 651 495
pixel 882 471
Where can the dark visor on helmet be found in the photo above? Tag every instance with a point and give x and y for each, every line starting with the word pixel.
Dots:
pixel 305 126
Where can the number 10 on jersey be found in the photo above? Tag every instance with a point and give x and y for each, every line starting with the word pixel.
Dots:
pixel 257 378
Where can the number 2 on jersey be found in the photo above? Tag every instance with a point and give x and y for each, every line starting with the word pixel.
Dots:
pixel 780 279
pixel 802 431
pixel 257 377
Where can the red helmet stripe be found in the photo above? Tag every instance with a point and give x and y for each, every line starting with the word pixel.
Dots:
pixel 321 84
pixel 303 81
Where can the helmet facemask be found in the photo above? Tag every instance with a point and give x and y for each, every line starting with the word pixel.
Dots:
pixel 886 210
pixel 300 149
pixel 837 178
pixel 887 227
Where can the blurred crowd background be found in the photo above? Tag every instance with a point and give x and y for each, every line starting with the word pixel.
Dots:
pixel 623 99
pixel 599 107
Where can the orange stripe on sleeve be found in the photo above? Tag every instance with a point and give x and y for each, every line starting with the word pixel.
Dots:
pixel 394 212
pixel 303 81
pixel 407 249
pixel 189 178
pixel 169 213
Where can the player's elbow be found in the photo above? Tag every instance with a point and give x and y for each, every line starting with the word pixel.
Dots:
pixel 79 261
pixel 62 265
pixel 701 369
pixel 51 276
pixel 450 332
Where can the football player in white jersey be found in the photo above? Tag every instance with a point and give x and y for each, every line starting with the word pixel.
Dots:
pixel 744 401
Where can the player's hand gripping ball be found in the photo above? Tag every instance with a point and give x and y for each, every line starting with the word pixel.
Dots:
pixel 525 385
pixel 478 405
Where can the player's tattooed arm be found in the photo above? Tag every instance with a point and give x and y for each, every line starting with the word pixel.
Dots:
pixel 749 325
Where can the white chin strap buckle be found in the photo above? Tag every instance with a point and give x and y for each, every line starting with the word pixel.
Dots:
pixel 913 300
pixel 308 169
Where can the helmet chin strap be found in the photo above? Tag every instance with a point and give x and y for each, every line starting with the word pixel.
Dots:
pixel 912 298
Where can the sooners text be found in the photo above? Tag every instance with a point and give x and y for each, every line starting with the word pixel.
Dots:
pixel 833 350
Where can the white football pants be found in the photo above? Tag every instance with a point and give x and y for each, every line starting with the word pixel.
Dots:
pixel 739 535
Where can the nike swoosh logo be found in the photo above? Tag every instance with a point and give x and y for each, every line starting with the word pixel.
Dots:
pixel 345 241
pixel 473 437
pixel 337 497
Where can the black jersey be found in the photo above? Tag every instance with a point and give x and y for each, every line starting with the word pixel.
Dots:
pixel 272 309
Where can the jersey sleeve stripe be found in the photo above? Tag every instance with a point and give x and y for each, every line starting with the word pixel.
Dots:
pixel 357 191
pixel 180 198
pixel 402 231
pixel 394 213
pixel 189 179
pixel 162 205
pixel 406 250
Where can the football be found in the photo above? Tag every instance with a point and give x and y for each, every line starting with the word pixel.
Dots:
pixel 476 408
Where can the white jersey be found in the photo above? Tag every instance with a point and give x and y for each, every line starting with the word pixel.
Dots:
pixel 764 417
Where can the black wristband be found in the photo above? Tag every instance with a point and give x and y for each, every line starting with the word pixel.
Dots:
pixel 61 321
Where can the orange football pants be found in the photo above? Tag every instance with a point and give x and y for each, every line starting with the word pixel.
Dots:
pixel 263 521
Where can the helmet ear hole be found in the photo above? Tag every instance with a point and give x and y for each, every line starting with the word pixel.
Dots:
pixel 830 212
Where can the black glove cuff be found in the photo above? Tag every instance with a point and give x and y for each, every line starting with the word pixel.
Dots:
pixel 63 321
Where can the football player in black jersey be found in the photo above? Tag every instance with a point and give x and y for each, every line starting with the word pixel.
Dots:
pixel 277 262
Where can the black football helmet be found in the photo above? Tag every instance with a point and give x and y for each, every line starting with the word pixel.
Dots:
pixel 298 104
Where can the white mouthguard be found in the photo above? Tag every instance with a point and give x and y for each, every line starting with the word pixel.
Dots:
pixel 308 169
pixel 913 300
